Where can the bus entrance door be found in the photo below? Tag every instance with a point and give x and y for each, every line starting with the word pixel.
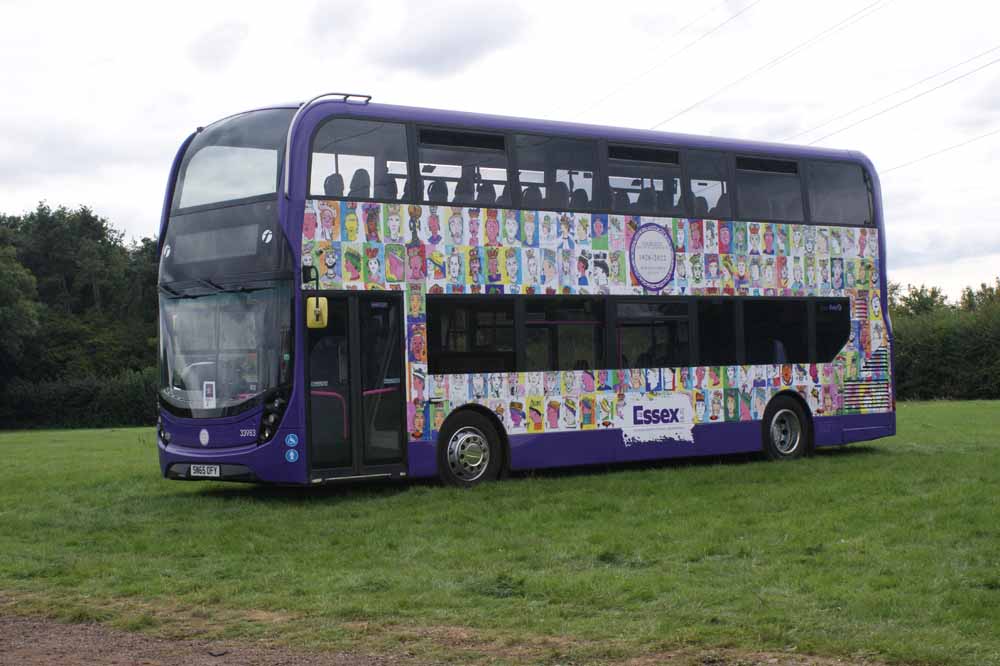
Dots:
pixel 357 390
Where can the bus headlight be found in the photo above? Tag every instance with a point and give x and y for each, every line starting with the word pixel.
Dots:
pixel 274 409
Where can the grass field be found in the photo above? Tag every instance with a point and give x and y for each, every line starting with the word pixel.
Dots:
pixel 886 551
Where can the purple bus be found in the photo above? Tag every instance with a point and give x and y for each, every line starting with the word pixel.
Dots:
pixel 351 290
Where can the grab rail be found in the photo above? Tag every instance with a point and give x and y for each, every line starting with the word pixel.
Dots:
pixel 334 394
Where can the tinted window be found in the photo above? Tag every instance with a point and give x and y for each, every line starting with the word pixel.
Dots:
pixel 653 335
pixel 838 194
pixel 708 184
pixel 233 159
pixel 833 327
pixel 644 181
pixel 470 335
pixel 463 168
pixel 359 159
pixel 776 331
pixel 555 173
pixel 768 189
pixel 564 333
pixel 717 341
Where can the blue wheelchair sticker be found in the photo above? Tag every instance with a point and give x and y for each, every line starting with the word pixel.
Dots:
pixel 291 455
pixel 291 439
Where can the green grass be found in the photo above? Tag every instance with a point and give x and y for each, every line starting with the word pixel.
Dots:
pixel 888 550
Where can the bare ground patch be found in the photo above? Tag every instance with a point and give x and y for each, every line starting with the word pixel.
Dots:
pixel 31 641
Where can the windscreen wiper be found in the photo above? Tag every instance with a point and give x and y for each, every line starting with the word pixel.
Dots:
pixel 210 284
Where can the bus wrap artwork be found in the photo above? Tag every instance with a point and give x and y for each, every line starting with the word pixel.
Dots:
pixel 430 249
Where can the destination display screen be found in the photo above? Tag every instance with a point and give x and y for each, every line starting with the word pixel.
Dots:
pixel 227 243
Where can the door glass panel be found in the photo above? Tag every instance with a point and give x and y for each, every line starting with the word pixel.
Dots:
pixel 381 380
pixel 329 390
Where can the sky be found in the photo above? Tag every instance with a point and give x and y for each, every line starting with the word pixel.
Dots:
pixel 99 95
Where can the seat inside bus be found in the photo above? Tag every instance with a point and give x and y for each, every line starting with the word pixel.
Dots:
pixel 558 196
pixel 721 208
pixel 438 191
pixel 386 188
pixel 486 194
pixel 360 185
pixel 333 186
pixel 532 197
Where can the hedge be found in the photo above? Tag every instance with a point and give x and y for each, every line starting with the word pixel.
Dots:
pixel 947 353
pixel 127 399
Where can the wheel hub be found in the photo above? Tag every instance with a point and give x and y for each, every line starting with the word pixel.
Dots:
pixel 786 431
pixel 468 453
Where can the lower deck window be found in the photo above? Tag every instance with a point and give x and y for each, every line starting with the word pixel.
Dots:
pixel 653 334
pixel 718 343
pixel 470 335
pixel 564 333
pixel 473 334
pixel 776 331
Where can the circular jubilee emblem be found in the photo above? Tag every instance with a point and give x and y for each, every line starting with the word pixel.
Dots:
pixel 651 256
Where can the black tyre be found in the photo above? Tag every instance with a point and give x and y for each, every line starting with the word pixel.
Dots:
pixel 787 429
pixel 469 450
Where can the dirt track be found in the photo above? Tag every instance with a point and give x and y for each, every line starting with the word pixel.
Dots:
pixel 32 642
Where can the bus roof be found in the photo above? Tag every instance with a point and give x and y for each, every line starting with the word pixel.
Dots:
pixel 493 122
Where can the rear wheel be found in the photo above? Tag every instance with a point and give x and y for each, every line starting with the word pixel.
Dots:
pixel 787 430
pixel 469 450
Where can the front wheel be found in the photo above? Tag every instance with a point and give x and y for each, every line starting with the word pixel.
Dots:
pixel 787 430
pixel 469 450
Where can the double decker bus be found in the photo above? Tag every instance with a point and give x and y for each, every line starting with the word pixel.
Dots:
pixel 352 290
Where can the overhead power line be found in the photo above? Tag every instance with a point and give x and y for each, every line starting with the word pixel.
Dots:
pixel 859 15
pixel 939 152
pixel 892 94
pixel 906 101
pixel 676 53
pixel 700 17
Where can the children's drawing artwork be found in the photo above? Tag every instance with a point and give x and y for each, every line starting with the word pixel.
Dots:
pixel 440 249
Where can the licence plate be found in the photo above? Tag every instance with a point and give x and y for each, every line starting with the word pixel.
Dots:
pixel 204 471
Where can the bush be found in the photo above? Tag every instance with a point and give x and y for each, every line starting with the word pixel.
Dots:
pixel 127 399
pixel 948 353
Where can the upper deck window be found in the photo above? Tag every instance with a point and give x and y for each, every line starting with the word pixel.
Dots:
pixel 708 184
pixel 463 168
pixel 234 159
pixel 555 173
pixel 768 189
pixel 838 194
pixel 644 181
pixel 359 159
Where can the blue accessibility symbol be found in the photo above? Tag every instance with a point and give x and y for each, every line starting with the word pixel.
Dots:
pixel 291 455
pixel 291 439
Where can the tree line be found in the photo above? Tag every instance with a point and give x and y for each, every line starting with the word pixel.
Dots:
pixel 78 327
pixel 78 321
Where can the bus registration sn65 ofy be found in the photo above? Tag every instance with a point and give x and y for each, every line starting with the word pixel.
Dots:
pixel 205 471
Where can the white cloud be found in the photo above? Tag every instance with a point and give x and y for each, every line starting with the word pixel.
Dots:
pixel 99 95
pixel 218 47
